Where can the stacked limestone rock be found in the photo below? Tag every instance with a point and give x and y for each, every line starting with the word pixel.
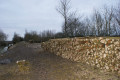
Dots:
pixel 100 52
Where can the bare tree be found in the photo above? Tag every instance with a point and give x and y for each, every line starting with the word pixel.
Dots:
pixel 98 22
pixel 64 9
pixel 117 15
pixel 3 36
pixel 108 16
pixel 73 23
pixel 117 19
pixel 46 35
pixel 87 24
pixel 16 38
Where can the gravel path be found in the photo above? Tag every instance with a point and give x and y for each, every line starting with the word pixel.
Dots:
pixel 47 66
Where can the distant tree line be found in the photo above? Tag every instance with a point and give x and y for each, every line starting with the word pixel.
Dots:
pixel 34 37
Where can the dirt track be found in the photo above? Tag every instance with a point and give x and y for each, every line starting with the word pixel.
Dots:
pixel 47 66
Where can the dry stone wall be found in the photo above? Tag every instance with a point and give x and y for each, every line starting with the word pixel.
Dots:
pixel 101 52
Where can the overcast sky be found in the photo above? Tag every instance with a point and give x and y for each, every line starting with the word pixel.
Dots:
pixel 39 15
